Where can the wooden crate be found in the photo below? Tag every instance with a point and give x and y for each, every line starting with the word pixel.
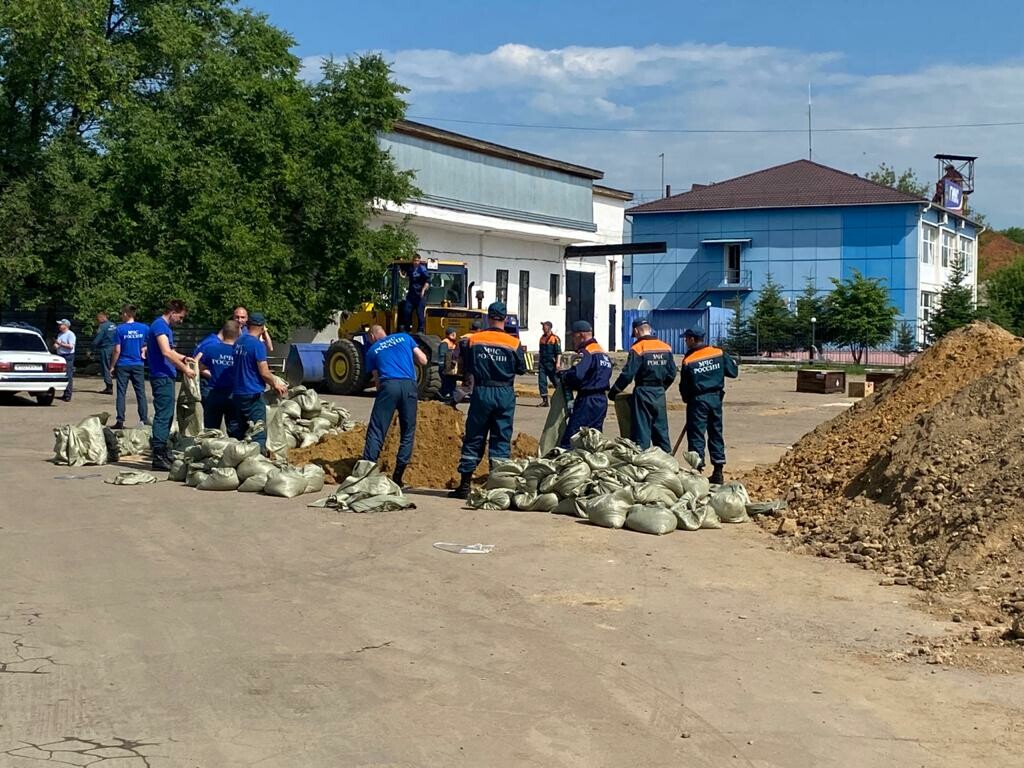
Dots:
pixel 860 388
pixel 820 382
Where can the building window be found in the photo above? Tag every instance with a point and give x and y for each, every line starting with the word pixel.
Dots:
pixel 929 303
pixel 501 286
pixel 967 254
pixel 554 289
pixel 524 298
pixel 732 263
pixel 947 248
pixel 929 244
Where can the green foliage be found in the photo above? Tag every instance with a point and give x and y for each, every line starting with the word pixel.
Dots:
pixel 771 320
pixel 156 148
pixel 906 341
pixel 740 338
pixel 1015 233
pixel 809 304
pixel 859 314
pixel 1006 297
pixel 906 182
pixel 956 305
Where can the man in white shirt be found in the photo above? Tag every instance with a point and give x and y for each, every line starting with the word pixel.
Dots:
pixel 65 347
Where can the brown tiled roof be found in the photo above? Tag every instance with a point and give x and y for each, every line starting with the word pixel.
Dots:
pixel 800 184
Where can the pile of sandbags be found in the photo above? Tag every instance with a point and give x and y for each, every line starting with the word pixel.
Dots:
pixel 614 483
pixel 83 443
pixel 366 489
pixel 301 419
pixel 211 461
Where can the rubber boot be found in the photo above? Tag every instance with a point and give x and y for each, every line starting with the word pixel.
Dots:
pixel 162 460
pixel 716 475
pixel 544 401
pixel 462 492
pixel 397 475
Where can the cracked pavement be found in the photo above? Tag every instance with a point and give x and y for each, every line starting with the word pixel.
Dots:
pixel 162 627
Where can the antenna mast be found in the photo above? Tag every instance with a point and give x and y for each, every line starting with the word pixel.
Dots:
pixel 810 149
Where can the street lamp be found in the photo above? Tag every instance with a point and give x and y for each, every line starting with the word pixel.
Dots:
pixel 814 325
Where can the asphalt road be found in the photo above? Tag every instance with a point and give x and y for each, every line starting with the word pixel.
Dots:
pixel 163 626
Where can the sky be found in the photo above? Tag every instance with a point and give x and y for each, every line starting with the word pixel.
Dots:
pixel 719 87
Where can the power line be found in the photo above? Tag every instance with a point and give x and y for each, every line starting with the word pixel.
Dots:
pixel 605 129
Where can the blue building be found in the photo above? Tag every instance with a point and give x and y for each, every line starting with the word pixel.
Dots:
pixel 797 222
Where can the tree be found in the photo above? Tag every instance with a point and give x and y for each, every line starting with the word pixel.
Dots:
pixel 170 147
pixel 956 304
pixel 1015 233
pixel 809 304
pixel 739 338
pixel 906 343
pixel 859 314
pixel 1006 297
pixel 906 182
pixel 771 320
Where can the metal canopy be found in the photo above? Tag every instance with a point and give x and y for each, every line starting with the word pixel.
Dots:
pixel 615 249
pixel 725 240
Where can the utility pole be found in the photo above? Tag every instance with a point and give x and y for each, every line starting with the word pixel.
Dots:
pixel 662 156
pixel 810 150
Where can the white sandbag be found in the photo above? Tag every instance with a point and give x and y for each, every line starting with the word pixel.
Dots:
pixel 590 440
pixel 219 479
pixel 607 510
pixel 82 443
pixel 238 451
pixel 195 477
pixel 314 475
pixel 254 465
pixel 178 471
pixel 693 459
pixel 650 519
pixel 213 447
pixel 309 403
pixel 498 498
pixel 253 484
pixel 290 409
pixel 671 480
pixel 652 494
pixel 285 482
pixel 189 407
pixel 655 458
pixel 574 506
pixel 134 441
pixel 695 484
pixel 729 501
pixel 131 477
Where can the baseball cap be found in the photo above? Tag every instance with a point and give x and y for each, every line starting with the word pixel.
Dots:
pixel 64 322
pixel 695 333
pixel 641 321
pixel 496 311
pixel 450 330
pixel 257 318
pixel 582 326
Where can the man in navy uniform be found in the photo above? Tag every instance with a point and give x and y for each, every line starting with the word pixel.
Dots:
pixel 416 296
pixel 653 369
pixel 392 360
pixel 588 380
pixel 702 386
pixel 494 359
pixel 251 376
pixel 547 360
pixel 103 344
pixel 446 350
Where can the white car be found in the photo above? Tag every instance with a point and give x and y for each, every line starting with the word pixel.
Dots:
pixel 26 365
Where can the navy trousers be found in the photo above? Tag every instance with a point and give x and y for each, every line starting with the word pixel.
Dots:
pixel 106 353
pixel 650 418
pixel 704 415
pixel 491 412
pixel 137 376
pixel 392 395
pixel 162 388
pixel 587 411
pixel 219 407
pixel 69 360
pixel 248 410
pixel 418 307
pixel 545 372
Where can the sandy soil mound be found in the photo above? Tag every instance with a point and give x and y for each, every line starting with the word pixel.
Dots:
pixel 436 450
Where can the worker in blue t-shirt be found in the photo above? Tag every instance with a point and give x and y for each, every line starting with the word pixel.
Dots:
pixel 216 356
pixel 392 360
pixel 201 349
pixel 127 364
pixel 164 363
pixel 416 296
pixel 251 377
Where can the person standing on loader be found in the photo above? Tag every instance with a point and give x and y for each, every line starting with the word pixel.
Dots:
pixel 588 380
pixel 392 360
pixel 448 345
pixel 494 359
pixel 416 296
pixel 547 361
pixel 702 386
pixel 651 365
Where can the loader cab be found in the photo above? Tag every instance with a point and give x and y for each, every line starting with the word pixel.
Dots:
pixel 448 283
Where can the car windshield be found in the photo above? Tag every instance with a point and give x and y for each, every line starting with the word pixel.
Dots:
pixel 21 342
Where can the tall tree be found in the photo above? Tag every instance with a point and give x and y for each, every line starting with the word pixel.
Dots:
pixel 906 181
pixel 859 314
pixel 739 339
pixel 771 320
pixel 1006 297
pixel 810 304
pixel 956 304
pixel 906 343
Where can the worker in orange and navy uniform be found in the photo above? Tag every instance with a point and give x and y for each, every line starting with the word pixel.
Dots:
pixel 588 380
pixel 547 360
pixel 653 369
pixel 494 359
pixel 702 386
pixel 449 344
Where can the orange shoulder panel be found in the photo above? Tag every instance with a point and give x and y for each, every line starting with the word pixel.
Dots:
pixel 650 345
pixel 494 337
pixel 703 353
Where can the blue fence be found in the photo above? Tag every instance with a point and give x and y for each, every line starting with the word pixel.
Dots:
pixel 669 324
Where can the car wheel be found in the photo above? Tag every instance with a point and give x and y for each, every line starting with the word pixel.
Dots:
pixel 45 398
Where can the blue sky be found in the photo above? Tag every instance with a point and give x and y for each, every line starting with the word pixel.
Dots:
pixel 728 64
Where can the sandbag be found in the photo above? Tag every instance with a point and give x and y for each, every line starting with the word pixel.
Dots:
pixel 213 447
pixel 131 477
pixel 178 471
pixel 314 475
pixel 573 506
pixel 219 479
pixel 195 477
pixel 238 451
pixel 498 498
pixel 545 502
pixel 277 434
pixel 189 409
pixel 693 459
pixel 506 480
pixel 329 415
pixel 597 461
pixel 536 472
pixel 309 404
pixel 554 424
pixel 134 441
pixel 366 478
pixel 285 482
pixel 254 465
pixel 320 425
pixel 253 484
pixel 607 510
pixel 655 458
pixel 652 494
pixel 650 519
pixel 633 473
pixel 82 443
pixel 290 409
pixel 671 480
pixel 695 484
pixel 729 501
pixel 590 440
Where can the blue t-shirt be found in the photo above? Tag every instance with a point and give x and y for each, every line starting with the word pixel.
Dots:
pixel 392 357
pixel 418 278
pixel 219 357
pixel 249 352
pixel 203 346
pixel 159 366
pixel 132 338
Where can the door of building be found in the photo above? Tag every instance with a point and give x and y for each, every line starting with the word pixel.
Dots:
pixel 613 326
pixel 732 263
pixel 579 297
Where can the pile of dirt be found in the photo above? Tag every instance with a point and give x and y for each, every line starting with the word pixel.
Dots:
pixel 435 456
pixel 925 481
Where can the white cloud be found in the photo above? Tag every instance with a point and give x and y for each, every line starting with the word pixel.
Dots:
pixel 724 87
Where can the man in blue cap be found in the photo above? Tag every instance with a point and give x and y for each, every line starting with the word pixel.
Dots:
pixel 653 369
pixel 493 359
pixel 252 376
pixel 702 386
pixel 392 360
pixel 588 380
